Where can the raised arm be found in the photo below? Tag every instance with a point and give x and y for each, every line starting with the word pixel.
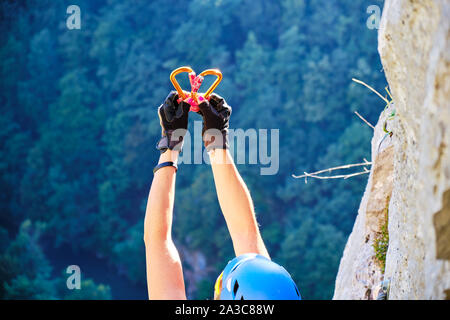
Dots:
pixel 234 197
pixel 236 204
pixel 164 269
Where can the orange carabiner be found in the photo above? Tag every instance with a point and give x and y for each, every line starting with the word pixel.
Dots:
pixel 215 72
pixel 194 98
pixel 175 82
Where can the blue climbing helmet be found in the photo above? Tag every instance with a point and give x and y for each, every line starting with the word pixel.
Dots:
pixel 254 277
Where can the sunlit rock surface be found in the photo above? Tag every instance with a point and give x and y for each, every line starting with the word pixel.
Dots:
pixel 359 272
pixel 415 52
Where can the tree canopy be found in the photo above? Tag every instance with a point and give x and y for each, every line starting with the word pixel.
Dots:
pixel 78 128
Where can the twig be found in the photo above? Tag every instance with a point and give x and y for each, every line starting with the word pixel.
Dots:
pixel 372 89
pixel 389 93
pixel 315 175
pixel 367 122
pixel 347 166
pixel 340 176
pixel 357 173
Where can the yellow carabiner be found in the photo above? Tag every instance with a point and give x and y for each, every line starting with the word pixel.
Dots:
pixel 175 82
pixel 215 72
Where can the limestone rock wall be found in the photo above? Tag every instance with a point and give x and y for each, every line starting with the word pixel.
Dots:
pixel 414 45
pixel 359 271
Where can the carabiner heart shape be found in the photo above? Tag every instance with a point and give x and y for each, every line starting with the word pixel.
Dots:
pixel 194 98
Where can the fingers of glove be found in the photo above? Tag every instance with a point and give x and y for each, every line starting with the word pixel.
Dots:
pixel 172 97
pixel 162 118
pixel 167 118
pixel 174 110
pixel 207 110
pixel 161 115
pixel 220 105
pixel 216 101
pixel 170 106
pixel 225 112
pixel 204 105
pixel 204 108
pixel 183 109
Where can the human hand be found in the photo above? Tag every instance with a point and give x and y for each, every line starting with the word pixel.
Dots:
pixel 173 117
pixel 216 116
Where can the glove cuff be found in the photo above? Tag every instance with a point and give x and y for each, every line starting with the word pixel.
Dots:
pixel 166 142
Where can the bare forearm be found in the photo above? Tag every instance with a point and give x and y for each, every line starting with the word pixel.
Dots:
pixel 158 217
pixel 164 271
pixel 236 204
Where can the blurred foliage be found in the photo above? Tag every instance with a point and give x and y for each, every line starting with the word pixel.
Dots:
pixel 89 291
pixel 25 272
pixel 78 127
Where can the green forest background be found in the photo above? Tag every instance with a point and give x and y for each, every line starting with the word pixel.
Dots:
pixel 78 128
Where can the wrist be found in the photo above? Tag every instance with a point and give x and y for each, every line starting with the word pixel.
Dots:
pixel 215 139
pixel 171 140
pixel 169 155
pixel 220 156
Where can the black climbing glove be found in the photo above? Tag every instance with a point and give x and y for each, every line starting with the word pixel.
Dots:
pixel 216 116
pixel 173 117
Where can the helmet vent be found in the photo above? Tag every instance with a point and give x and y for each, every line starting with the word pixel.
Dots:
pixel 296 290
pixel 235 287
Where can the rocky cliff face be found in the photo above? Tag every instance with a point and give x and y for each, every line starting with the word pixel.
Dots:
pixel 410 179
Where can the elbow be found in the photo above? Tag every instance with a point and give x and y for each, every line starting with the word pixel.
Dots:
pixel 155 234
pixel 157 223
pixel 146 238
